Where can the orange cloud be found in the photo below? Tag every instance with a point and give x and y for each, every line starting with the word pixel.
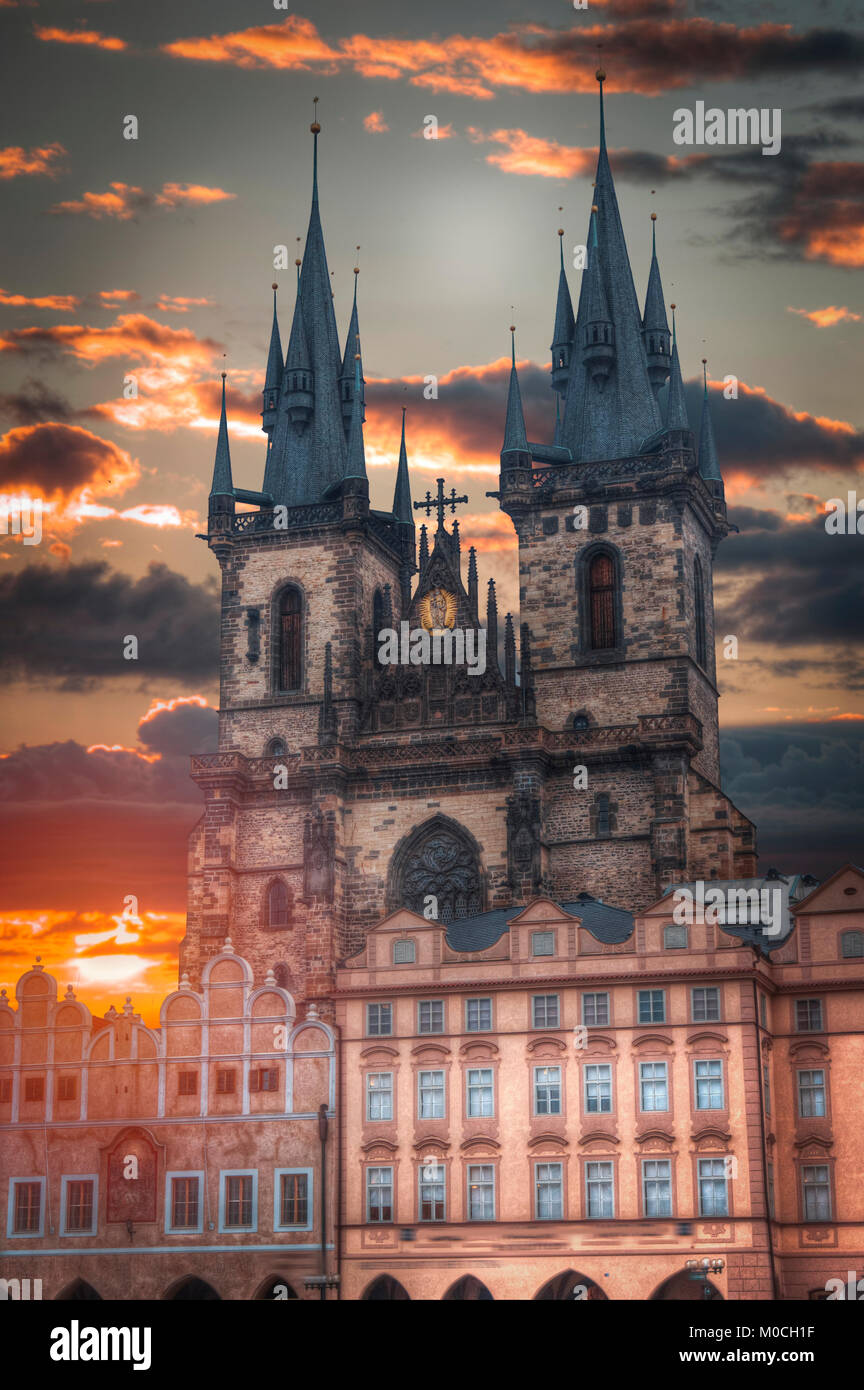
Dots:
pixel 135 337
pixel 528 154
pixel 826 318
pixel 125 201
pixel 90 37
pixel 63 463
pixel 114 298
pixel 62 302
pixel 15 161
pixel 375 122
pixel 179 304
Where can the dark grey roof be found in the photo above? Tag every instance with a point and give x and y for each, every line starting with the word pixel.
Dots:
pixel 273 377
pixel 655 306
pixel 607 924
pixel 515 439
pixel 565 324
pixel 709 465
pixel 222 484
pixel 676 410
pixel 402 509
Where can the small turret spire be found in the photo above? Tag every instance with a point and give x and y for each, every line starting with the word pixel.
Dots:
pixel 273 375
pixel 492 626
pixel 223 485
pixel 346 376
pixel 402 509
pixel 424 547
pixel 709 466
pixel 655 326
pixel 472 580
pixel 356 454
pixel 565 327
pixel 509 651
pixel 515 438
pixel 676 410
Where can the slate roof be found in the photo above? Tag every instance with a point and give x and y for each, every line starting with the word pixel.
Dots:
pixel 607 924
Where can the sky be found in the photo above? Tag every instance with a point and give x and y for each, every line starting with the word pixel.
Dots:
pixel 146 263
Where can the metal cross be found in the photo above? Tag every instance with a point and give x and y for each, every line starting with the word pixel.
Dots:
pixel 440 501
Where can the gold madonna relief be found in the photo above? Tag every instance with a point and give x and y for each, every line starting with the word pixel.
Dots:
pixel 437 610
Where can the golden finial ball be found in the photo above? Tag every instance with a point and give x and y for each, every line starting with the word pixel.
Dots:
pixel 560 231
pixel 274 286
pixel 315 127
pixel 594 207
pixel 356 270
pixel 356 357
pixel 673 306
pixel 298 261
pixel 704 361
pixel 653 217
pixel 224 374
pixel 512 328
pixel 600 74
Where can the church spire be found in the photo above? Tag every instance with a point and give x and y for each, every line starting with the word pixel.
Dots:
pixel 607 417
pixel 308 452
pixel 222 487
pixel 709 466
pixel 356 455
pixel 676 410
pixel 655 326
pixel 402 509
pixel 515 438
pixel 598 335
pixel 346 378
pixel 565 326
pixel 273 375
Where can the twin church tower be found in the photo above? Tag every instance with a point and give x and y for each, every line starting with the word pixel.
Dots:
pixel 584 758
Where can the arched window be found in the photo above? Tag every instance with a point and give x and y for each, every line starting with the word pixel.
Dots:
pixel 602 603
pixel 699 607
pixel 290 640
pixel 278 912
pixel 437 868
pixel 580 721
pixel 603 817
pixel 852 943
pixel 275 748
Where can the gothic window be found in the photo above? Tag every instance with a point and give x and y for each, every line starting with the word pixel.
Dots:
pixel 580 721
pixel 275 748
pixel 604 819
pixel 278 906
pixel 290 639
pixel 439 864
pixel 602 603
pixel 699 606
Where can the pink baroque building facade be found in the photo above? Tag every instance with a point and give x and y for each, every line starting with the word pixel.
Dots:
pixel 563 1102
pixel 183 1161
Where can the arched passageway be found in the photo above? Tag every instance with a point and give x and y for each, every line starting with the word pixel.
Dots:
pixel 468 1288
pixel 576 1287
pixel 192 1289
pixel 385 1286
pixel 276 1288
pixel 79 1291
pixel 688 1286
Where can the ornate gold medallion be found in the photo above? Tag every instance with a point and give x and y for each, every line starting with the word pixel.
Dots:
pixel 438 610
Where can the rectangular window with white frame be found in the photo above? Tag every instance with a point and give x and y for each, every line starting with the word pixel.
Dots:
pixel 481 1192
pixel 238 1200
pixel 26 1209
pixel 379 1095
pixel 657 1186
pixel 430 1095
pixel 480 1093
pixel 547 1090
pixel 379 1020
pixel 548 1191
pixel 708 1079
pixel 595 1010
pixel 817 1192
pixel 184 1202
pixel 430 1016
pixel 811 1094
pixel 653 1086
pixel 79 1212
pixel 545 1011
pixel 379 1195
pixel 431 1183
pixel 598 1088
pixel 705 1004
pixel 292 1199
pixel 713 1187
pixel 478 1015
pixel 599 1190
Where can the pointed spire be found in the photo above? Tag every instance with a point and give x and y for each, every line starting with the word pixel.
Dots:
pixel 509 651
pixel 565 326
pixel 424 547
pixel 655 326
pixel 222 482
pixel 676 409
pixel 356 454
pixel 515 438
pixel 491 626
pixel 402 509
pixel 472 580
pixel 598 337
pixel 273 374
pixel 709 466
pixel 346 377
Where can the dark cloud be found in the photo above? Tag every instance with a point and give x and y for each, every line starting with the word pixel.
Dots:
pixel 803 785
pixel 764 439
pixel 69 626
pixel 34 403
pixel 175 729
pixel 54 460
